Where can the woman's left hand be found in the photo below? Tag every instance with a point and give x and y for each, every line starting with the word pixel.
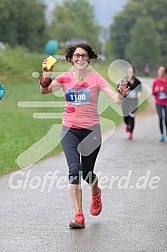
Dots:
pixel 123 87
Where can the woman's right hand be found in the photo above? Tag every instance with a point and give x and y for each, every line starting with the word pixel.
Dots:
pixel 45 72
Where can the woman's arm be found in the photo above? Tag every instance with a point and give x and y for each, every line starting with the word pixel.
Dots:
pixel 52 86
pixel 122 92
pixel 115 97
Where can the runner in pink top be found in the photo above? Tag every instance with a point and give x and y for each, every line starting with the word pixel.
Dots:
pixel 81 134
pixel 159 90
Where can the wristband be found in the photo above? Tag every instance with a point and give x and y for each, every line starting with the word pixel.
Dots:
pixel 45 83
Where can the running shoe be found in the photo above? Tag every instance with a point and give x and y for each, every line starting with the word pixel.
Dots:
pixel 78 221
pixel 130 136
pixel 161 139
pixel 96 204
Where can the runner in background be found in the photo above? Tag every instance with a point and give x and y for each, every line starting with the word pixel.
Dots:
pixel 130 103
pixel 147 70
pixel 159 90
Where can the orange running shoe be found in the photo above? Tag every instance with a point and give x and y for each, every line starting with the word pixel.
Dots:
pixel 78 221
pixel 96 204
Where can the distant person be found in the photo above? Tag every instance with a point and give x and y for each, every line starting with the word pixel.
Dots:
pixel 130 103
pixel 2 91
pixel 81 133
pixel 159 90
pixel 147 70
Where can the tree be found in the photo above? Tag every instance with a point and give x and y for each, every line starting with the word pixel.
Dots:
pixel 73 19
pixel 120 29
pixel 157 10
pixel 124 21
pixel 143 47
pixel 22 23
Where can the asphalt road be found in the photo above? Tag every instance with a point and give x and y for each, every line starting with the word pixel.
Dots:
pixel 36 206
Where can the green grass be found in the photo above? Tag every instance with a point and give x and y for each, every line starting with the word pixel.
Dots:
pixel 19 130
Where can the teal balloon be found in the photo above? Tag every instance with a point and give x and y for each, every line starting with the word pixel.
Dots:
pixel 51 47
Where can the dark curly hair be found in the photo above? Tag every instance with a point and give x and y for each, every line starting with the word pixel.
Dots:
pixel 86 47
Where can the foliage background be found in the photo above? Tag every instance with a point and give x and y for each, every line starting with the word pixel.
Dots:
pixel 138 33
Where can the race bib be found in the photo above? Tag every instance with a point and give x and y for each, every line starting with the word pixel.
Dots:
pixel 78 96
pixel 162 95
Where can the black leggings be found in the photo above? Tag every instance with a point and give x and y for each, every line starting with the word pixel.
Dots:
pixel 160 109
pixel 129 107
pixel 81 147
pixel 130 121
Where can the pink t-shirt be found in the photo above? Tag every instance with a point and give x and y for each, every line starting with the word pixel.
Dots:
pixel 160 97
pixel 81 99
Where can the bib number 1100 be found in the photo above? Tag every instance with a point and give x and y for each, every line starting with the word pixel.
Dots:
pixel 78 97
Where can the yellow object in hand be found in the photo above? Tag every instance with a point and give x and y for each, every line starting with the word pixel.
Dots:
pixel 49 62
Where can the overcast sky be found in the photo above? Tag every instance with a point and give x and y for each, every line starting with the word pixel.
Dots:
pixel 104 9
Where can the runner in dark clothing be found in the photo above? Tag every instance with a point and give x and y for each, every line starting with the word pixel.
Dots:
pixel 130 103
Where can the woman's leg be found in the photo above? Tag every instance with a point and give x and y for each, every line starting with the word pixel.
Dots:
pixel 89 176
pixel 126 120
pixel 89 151
pixel 159 112
pixel 165 109
pixel 132 122
pixel 76 196
pixel 133 110
pixel 128 108
pixel 125 111
pixel 70 141
pixel 88 163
